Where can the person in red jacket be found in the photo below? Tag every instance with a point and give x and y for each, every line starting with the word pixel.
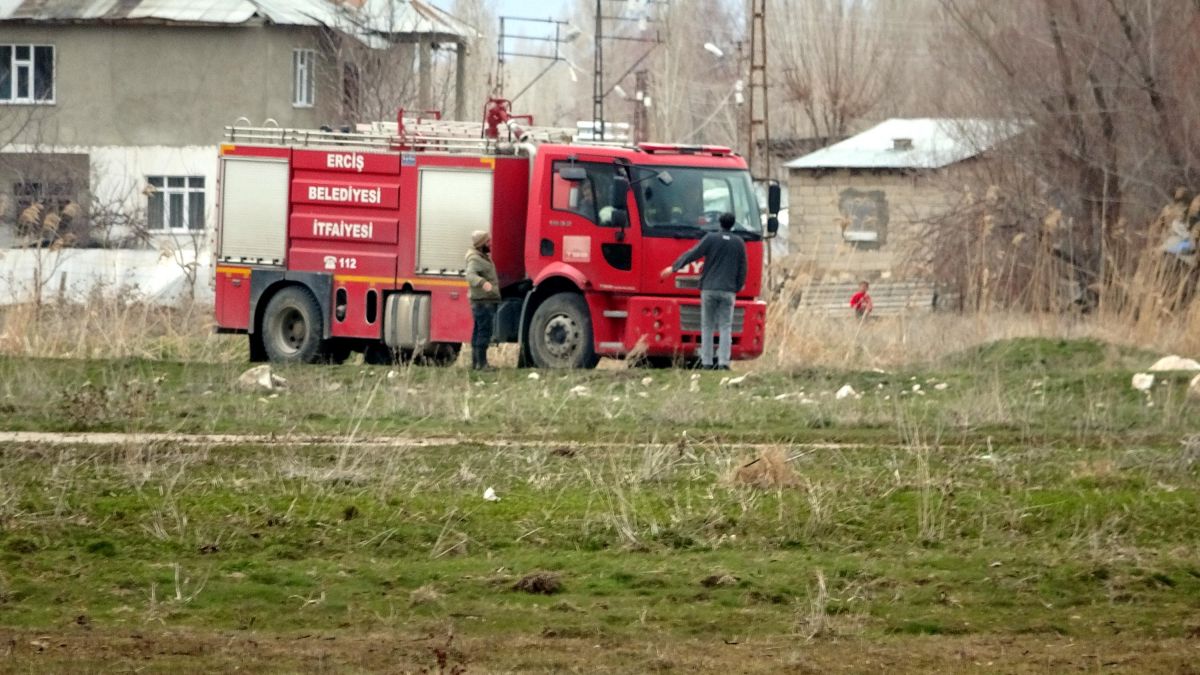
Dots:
pixel 861 301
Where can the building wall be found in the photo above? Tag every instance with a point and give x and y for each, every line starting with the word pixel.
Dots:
pixel 115 181
pixel 824 204
pixel 155 85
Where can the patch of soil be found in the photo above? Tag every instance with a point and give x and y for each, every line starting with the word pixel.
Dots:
pixel 539 583
pixel 718 580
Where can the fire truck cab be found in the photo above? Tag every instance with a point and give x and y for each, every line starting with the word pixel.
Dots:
pixel 330 242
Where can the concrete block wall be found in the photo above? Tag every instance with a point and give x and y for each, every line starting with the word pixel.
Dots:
pixel 816 241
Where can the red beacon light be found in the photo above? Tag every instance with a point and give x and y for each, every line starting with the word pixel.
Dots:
pixel 676 149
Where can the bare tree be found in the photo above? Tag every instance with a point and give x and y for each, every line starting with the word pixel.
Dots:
pixel 1109 101
pixel 839 60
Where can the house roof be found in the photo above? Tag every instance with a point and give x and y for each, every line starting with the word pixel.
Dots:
pixel 925 143
pixel 370 20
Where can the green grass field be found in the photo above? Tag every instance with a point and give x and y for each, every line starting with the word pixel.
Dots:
pixel 1017 508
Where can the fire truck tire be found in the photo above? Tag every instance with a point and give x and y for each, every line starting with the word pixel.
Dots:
pixel 560 334
pixel 258 353
pixel 291 327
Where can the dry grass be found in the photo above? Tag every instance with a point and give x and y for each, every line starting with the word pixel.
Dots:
pixel 770 469
pixel 109 329
pixel 797 339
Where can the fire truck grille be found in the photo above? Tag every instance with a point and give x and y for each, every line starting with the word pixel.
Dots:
pixel 689 318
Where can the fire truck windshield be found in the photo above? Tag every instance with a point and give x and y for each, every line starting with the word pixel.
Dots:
pixel 694 201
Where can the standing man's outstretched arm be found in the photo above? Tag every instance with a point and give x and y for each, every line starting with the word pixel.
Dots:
pixel 690 256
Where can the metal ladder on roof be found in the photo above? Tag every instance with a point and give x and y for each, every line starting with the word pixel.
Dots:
pixel 419 135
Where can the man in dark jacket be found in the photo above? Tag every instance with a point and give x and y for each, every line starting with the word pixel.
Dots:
pixel 483 289
pixel 724 274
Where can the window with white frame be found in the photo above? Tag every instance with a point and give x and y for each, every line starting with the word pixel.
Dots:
pixel 26 73
pixel 175 203
pixel 304 63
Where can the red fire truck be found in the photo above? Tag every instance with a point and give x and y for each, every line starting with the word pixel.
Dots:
pixel 334 241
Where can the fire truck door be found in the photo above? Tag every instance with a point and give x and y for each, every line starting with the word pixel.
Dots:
pixel 582 227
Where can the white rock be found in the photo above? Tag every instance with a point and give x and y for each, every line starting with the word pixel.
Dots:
pixel 534 376
pixel 392 375
pixel 941 386
pixel 694 386
pixel 916 387
pixel 1142 381
pixel 579 390
pixel 490 495
pixel 1194 388
pixel 735 381
pixel 844 392
pixel 1172 362
pixel 261 377
pixel 647 381
pixel 695 376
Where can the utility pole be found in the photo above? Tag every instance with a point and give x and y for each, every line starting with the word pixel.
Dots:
pixel 760 130
pixel 599 90
pixel 598 77
pixel 641 107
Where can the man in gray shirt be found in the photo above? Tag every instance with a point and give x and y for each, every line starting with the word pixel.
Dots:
pixel 724 274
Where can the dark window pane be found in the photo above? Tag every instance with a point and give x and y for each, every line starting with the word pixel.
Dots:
pixel 23 52
pixel 23 81
pixel 43 73
pixel 176 206
pixel 175 181
pixel 196 182
pixel 154 211
pixel 156 181
pixel 196 211
pixel 5 73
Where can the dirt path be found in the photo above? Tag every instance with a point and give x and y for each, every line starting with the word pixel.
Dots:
pixel 81 649
pixel 399 442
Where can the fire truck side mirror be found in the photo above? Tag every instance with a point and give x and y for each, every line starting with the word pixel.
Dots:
pixel 772 226
pixel 774 199
pixel 620 192
pixel 574 174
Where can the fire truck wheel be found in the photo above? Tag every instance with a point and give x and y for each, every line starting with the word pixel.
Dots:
pixel 560 335
pixel 291 328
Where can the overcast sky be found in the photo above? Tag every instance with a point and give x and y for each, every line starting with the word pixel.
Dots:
pixel 537 9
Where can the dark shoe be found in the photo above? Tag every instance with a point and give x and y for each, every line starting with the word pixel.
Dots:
pixel 707 366
pixel 720 367
pixel 485 368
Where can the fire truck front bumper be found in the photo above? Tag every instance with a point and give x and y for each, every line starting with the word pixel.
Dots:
pixel 664 326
